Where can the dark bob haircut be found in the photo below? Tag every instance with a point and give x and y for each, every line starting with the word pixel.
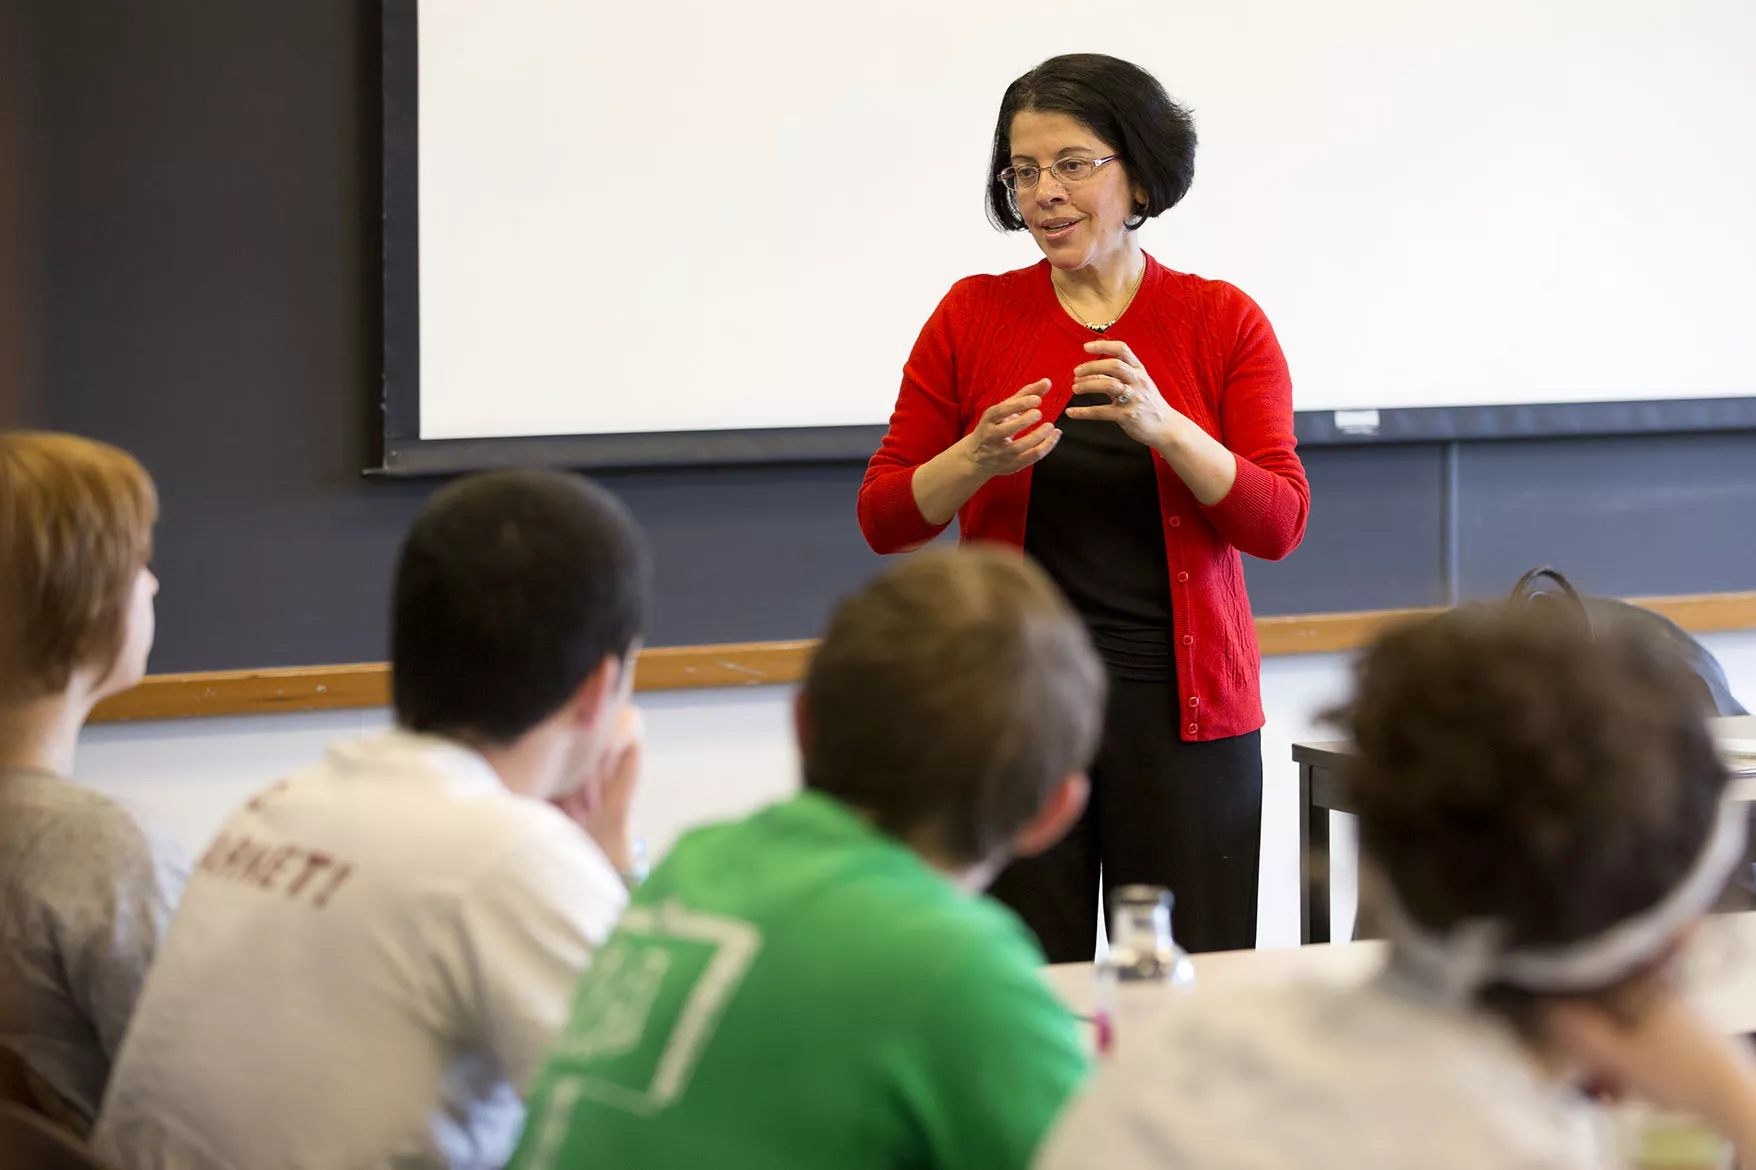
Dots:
pixel 1122 104
pixel 512 587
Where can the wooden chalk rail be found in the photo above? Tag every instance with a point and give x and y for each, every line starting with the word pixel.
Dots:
pixel 669 668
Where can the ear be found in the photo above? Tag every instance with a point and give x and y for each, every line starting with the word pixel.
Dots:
pixel 1058 814
pixel 594 698
pixel 802 726
pixel 139 623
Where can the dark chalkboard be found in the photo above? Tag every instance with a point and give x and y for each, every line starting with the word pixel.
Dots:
pixel 205 186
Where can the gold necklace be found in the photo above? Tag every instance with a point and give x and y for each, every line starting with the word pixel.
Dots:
pixel 1093 325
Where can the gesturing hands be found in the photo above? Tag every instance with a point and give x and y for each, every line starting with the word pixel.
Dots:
pixel 1002 441
pixel 1135 404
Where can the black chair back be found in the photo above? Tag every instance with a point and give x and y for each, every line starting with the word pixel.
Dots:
pixel 1545 585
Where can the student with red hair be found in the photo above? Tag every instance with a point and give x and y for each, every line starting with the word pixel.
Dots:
pixel 86 889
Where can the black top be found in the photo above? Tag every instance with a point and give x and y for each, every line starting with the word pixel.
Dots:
pixel 1094 525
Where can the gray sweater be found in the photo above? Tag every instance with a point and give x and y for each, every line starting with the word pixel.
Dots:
pixel 86 892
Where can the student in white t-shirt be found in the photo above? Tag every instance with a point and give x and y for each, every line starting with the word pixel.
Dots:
pixel 1541 821
pixel 374 953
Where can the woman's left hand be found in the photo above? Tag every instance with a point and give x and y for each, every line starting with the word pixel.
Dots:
pixel 1135 404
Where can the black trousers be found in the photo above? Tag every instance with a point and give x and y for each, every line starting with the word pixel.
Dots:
pixel 1186 816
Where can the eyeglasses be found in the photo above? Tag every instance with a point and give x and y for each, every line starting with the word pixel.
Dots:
pixel 1066 170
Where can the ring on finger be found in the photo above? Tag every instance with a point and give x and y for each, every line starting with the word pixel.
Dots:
pixel 1123 398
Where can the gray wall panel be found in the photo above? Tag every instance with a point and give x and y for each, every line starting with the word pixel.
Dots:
pixel 1374 537
pixel 1624 516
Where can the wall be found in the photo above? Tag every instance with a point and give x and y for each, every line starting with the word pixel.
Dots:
pixel 715 754
pixel 205 179
pixel 15 216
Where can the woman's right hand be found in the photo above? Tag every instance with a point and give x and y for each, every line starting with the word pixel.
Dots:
pixel 1002 442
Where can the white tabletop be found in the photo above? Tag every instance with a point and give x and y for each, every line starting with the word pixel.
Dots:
pixel 1721 970
pixel 1737 739
pixel 1735 735
pixel 1736 732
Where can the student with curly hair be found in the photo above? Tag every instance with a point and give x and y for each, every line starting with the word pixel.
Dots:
pixel 1542 824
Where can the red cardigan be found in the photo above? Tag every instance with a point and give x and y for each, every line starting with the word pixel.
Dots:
pixel 1213 356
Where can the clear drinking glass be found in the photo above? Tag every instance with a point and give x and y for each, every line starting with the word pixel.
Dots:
pixel 1144 961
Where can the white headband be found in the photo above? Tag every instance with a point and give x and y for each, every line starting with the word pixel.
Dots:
pixel 1469 956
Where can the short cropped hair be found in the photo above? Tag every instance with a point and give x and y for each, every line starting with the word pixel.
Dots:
pixel 1516 767
pixel 511 588
pixel 950 696
pixel 1122 104
pixel 76 519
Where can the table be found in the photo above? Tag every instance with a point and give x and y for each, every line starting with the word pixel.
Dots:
pixel 1321 793
pixel 1717 972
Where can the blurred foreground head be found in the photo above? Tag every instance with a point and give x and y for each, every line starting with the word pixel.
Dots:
pixel 1540 804
pixel 76 609
pixel 513 588
pixel 953 700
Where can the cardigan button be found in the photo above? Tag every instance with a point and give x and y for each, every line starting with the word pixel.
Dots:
pixel 1188 639
pixel 1193 729
pixel 1175 521
pixel 1193 701
pixel 1182 577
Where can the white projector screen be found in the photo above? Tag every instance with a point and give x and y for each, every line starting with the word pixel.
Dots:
pixel 694 216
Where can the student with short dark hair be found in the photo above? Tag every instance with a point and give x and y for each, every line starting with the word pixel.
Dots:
pixel 86 887
pixel 822 984
pixel 374 953
pixel 1542 823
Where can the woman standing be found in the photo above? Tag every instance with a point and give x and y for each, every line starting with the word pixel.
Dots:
pixel 1159 408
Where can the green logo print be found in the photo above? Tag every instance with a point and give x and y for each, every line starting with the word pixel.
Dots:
pixel 648 1006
